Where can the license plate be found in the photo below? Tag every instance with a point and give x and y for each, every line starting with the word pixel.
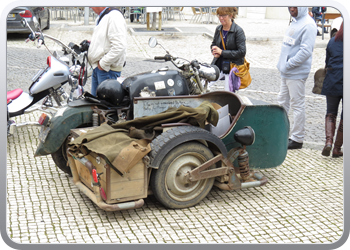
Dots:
pixel 11 15
pixel 44 133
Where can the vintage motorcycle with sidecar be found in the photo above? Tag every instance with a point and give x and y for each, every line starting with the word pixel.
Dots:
pixel 150 136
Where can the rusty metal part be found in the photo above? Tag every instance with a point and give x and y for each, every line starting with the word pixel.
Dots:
pixel 261 181
pixel 226 170
pixel 224 186
pixel 243 162
pixel 233 154
pixel 95 195
pixel 199 174
pixel 104 114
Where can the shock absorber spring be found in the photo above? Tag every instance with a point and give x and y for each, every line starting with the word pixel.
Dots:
pixel 95 120
pixel 243 162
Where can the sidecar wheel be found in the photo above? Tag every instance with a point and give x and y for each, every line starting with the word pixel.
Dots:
pixel 60 158
pixel 168 183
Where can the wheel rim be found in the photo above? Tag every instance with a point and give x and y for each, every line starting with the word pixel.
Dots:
pixel 177 185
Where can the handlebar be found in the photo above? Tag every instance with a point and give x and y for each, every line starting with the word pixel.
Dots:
pixel 40 36
pixel 159 58
pixel 167 57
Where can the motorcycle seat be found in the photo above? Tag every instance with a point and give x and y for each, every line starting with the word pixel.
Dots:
pixel 13 94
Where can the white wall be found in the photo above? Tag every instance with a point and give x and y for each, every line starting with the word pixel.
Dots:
pixel 263 12
pixel 277 13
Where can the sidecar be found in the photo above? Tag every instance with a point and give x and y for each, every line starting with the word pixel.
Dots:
pixel 183 162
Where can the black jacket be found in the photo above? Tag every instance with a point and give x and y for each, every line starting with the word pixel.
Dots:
pixel 333 82
pixel 235 45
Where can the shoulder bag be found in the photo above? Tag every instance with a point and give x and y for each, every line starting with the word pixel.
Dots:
pixel 243 70
pixel 319 76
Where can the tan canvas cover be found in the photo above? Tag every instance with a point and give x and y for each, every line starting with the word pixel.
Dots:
pixel 115 143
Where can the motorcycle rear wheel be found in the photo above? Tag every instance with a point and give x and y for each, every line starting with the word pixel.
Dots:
pixel 60 158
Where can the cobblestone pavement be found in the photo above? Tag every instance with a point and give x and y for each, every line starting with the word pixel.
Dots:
pixel 302 202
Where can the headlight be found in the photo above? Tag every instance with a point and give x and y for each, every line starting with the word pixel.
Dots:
pixel 245 136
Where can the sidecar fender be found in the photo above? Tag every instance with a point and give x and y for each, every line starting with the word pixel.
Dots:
pixel 64 120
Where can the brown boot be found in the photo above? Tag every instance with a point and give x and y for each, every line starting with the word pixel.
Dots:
pixel 338 141
pixel 330 129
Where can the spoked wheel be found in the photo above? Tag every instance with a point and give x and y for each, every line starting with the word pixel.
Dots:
pixel 168 183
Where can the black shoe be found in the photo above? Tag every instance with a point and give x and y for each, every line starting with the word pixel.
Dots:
pixel 318 33
pixel 326 32
pixel 294 145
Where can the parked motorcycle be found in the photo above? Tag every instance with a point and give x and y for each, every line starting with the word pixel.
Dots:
pixel 115 101
pixel 47 83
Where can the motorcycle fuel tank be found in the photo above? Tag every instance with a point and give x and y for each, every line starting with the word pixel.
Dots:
pixel 159 83
pixel 56 74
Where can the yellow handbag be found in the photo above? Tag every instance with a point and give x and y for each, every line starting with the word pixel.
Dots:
pixel 243 70
pixel 243 73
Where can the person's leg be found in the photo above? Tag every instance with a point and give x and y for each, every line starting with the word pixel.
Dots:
pixel 331 117
pixel 283 96
pixel 297 104
pixel 339 138
pixel 94 81
pixel 102 75
pixel 227 87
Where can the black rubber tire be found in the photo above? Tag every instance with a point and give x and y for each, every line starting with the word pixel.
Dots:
pixel 60 158
pixel 175 192
pixel 166 141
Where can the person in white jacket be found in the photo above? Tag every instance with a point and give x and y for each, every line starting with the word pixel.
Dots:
pixel 107 50
pixel 294 65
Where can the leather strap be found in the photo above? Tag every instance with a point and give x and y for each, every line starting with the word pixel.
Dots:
pixel 222 40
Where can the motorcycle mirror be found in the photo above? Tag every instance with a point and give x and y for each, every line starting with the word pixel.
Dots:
pixel 36 23
pixel 152 42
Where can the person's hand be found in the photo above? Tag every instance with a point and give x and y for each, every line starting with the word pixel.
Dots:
pixel 99 67
pixel 216 51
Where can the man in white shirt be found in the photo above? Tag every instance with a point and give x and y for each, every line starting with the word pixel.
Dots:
pixel 107 50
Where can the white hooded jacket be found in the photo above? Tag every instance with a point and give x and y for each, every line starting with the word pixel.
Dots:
pixel 108 43
pixel 298 44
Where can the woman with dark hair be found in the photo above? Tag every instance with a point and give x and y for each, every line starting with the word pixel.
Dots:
pixel 333 90
pixel 229 42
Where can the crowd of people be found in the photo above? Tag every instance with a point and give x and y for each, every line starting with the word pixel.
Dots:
pixel 107 55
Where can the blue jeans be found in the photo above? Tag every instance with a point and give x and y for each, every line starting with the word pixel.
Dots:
pixel 99 76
